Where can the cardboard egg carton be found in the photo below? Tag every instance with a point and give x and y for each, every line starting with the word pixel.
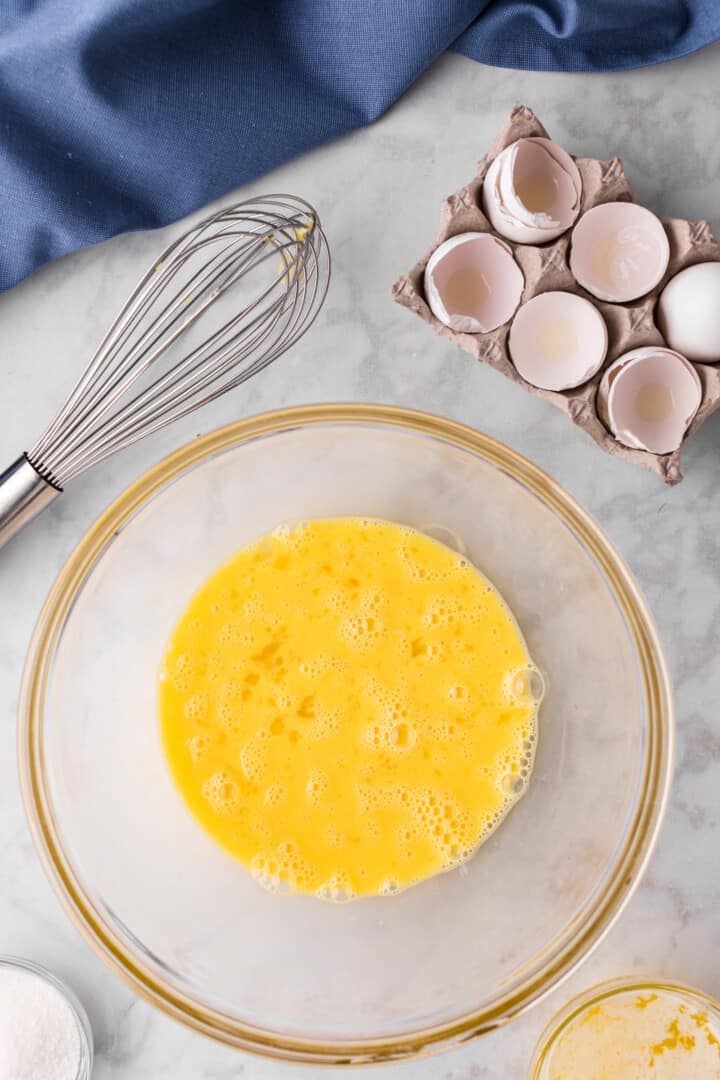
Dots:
pixel 546 268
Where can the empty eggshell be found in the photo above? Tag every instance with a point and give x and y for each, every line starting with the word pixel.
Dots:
pixel 649 397
pixel 532 191
pixel 472 283
pixel 688 312
pixel 619 251
pixel 558 340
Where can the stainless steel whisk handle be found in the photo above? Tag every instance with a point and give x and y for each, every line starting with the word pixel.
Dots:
pixel 23 494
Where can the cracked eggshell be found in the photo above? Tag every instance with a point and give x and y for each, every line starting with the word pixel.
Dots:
pixel 619 251
pixel 472 283
pixel 558 341
pixel 688 312
pixel 532 191
pixel 648 398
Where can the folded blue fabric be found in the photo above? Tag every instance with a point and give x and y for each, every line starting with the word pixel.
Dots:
pixel 127 114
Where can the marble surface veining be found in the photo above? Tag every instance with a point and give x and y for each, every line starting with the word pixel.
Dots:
pixel 378 191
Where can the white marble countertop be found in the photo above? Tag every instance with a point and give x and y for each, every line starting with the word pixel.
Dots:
pixel 379 191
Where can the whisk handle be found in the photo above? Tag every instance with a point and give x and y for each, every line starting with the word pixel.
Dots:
pixel 23 494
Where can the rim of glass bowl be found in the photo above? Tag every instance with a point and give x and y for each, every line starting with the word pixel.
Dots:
pixel 562 1019
pixel 579 937
pixel 85 1035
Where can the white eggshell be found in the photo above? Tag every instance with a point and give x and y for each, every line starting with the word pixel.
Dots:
pixel 558 341
pixel 648 398
pixel 472 283
pixel 688 312
pixel 619 251
pixel 532 191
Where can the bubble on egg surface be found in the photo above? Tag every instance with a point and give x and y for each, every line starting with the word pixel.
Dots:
pixel 274 794
pixel 688 312
pixel 362 631
pixel 222 793
pixel 253 761
pixel 282 869
pixel 196 707
pixel 619 251
pixel 649 397
pixel 338 889
pixel 197 747
pixel 532 191
pixel 473 283
pixel 317 786
pixel 524 685
pixel 446 536
pixel 558 341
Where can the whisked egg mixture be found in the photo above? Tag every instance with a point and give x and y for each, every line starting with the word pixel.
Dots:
pixel 348 707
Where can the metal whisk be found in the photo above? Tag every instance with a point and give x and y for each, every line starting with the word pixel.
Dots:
pixel 269 254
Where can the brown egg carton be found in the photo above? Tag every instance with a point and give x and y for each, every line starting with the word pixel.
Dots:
pixel 546 268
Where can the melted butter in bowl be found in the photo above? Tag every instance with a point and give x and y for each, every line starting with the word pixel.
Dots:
pixel 348 707
pixel 627 1030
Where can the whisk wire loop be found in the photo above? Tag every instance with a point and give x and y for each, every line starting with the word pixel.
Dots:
pixel 136 383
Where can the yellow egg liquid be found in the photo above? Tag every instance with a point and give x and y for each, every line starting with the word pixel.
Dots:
pixel 348 707
pixel 632 1035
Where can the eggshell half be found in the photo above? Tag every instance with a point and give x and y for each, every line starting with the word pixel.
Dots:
pixel 558 340
pixel 532 191
pixel 688 312
pixel 619 251
pixel 472 283
pixel 649 397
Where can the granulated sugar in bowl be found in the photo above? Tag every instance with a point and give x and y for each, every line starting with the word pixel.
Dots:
pixel 44 1032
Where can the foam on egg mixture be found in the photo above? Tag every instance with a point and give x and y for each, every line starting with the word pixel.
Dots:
pixel 348 707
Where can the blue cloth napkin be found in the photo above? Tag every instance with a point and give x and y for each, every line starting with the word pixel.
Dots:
pixel 127 114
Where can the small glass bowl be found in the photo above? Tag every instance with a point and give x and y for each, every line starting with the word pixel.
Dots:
pixel 560 1022
pixel 83 1024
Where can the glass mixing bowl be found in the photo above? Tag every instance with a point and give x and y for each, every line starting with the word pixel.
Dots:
pixel 376 979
